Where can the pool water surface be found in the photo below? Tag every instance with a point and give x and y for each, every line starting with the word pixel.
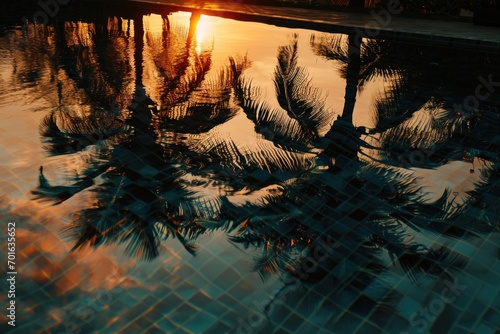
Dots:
pixel 174 172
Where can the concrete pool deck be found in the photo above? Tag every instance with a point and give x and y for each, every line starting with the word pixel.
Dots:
pixel 378 24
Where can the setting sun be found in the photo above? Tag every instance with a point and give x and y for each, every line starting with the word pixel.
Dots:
pixel 202 32
pixel 202 29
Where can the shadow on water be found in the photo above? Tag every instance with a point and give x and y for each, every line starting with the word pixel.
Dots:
pixel 340 216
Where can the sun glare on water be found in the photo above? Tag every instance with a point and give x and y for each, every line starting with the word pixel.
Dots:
pixel 202 32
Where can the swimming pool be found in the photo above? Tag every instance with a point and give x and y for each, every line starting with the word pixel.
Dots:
pixel 184 173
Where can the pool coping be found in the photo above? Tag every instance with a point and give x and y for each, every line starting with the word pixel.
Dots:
pixel 403 29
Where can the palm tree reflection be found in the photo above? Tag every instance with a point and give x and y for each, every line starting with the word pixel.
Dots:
pixel 336 228
pixel 345 228
pixel 315 204
pixel 140 196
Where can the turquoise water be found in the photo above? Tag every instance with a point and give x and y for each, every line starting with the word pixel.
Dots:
pixel 170 172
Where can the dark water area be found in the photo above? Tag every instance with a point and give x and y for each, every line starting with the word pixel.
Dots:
pixel 174 172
